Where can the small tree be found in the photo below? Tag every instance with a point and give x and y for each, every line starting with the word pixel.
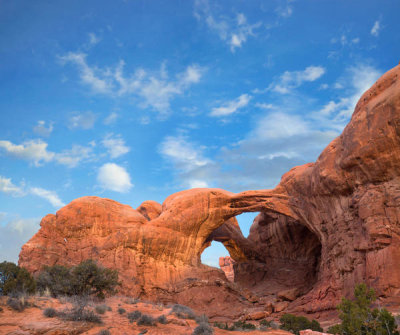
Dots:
pixel 15 279
pixel 295 323
pixel 56 278
pixel 90 279
pixel 359 319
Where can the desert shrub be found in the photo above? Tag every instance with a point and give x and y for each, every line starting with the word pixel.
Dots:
pixel 104 332
pixel 265 323
pixel 336 329
pixel 201 319
pixel 133 316
pixel 243 325
pixel 121 310
pixel 162 319
pixel 88 278
pixel 57 279
pixel 203 329
pixel 50 312
pixel 84 279
pixel 146 320
pixel 101 309
pixel 79 311
pixel 358 318
pixel 295 323
pixel 225 326
pixel 182 312
pixel 15 279
pixel 1 309
pixel 17 304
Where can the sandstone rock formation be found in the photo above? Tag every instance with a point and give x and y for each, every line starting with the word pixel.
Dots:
pixel 327 226
pixel 226 265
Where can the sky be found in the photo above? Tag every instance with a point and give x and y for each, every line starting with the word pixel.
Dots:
pixel 135 100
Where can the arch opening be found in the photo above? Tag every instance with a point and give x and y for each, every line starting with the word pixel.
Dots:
pixel 287 256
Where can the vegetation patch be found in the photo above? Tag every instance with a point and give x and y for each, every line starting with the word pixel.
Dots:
pixel 146 320
pixel 203 329
pixel 50 312
pixel 358 317
pixel 15 279
pixel 183 312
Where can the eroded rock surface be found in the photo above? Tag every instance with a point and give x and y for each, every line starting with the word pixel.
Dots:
pixel 327 226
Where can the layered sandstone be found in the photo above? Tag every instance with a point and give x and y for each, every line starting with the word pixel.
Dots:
pixel 327 226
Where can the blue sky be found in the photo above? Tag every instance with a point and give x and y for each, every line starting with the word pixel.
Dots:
pixel 135 100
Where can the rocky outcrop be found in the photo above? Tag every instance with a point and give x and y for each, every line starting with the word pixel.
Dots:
pixel 226 265
pixel 327 226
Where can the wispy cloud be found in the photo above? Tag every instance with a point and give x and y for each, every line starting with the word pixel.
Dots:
pixel 356 80
pixel 81 120
pixel 114 177
pixel 43 130
pixel 36 152
pixel 291 80
pixel 154 89
pixel 93 39
pixel 50 196
pixel 234 31
pixel 115 145
pixel 376 28
pixel 231 106
pixel 111 118
pixel 8 187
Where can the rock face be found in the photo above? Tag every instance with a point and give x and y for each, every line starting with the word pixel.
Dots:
pixel 327 226
pixel 226 265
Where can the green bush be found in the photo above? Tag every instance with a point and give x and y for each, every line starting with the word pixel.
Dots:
pixel 57 279
pixel 133 316
pixel 101 309
pixel 295 323
pixel 17 304
pixel 243 325
pixel 104 332
pixel 203 329
pixel 90 279
pixel 50 312
pixel 358 318
pixel 162 319
pixel 146 320
pixel 15 279
pixel 84 279
pixel 183 312
pixel 121 310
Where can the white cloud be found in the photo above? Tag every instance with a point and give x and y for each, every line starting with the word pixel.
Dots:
pixel 42 130
pixel 279 125
pixel 285 10
pixel 14 235
pixel 376 28
pixel 154 89
pixel 115 145
pixel 264 106
pixel 35 151
pixel 355 82
pixel 234 31
pixel 114 177
pixel 50 196
pixel 231 106
pixel 195 183
pixel 74 156
pixel 81 120
pixel 88 75
pixel 6 186
pixel 93 39
pixel 111 118
pixel 290 80
pixel 185 155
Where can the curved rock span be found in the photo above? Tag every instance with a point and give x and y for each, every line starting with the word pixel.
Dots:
pixel 327 226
